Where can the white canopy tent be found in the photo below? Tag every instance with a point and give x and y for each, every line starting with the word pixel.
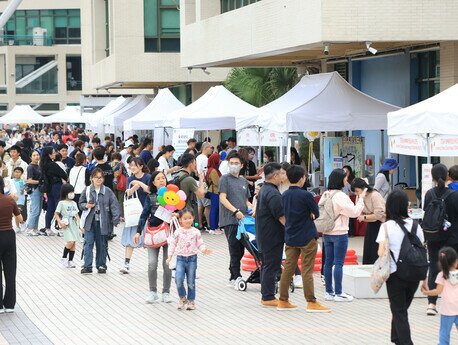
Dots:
pixel 428 128
pixel 322 102
pixel 94 122
pixel 154 114
pixel 218 108
pixel 22 114
pixel 113 122
pixel 71 114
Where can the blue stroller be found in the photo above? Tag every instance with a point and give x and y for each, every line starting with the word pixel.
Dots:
pixel 247 236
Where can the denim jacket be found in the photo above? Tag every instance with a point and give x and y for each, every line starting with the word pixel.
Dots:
pixel 109 209
pixel 151 205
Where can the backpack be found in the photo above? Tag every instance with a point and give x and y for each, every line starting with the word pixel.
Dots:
pixel 412 264
pixel 178 178
pixel 43 183
pixel 435 218
pixel 327 219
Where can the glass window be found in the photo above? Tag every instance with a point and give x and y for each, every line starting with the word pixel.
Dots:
pixel 170 21
pixel 161 26
pixel 74 75
pixel 229 5
pixel 429 74
pixel 150 18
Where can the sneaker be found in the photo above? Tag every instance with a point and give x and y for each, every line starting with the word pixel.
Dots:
pixel 270 303
pixel 52 232
pixel 32 232
pixel 297 281
pixel 43 232
pixel 2 311
pixel 329 296
pixel 218 232
pixel 211 232
pixel 166 297
pixel 71 264
pixel 191 305
pixel 9 310
pixel 182 303
pixel 125 269
pixel 64 262
pixel 343 297
pixel 152 297
pixel 231 283
pixel 101 270
pixel 86 270
pixel 285 305
pixel 432 310
pixel 316 307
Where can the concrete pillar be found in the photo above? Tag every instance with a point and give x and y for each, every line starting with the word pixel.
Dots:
pixel 10 77
pixel 449 77
pixel 187 12
pixel 61 76
pixel 207 8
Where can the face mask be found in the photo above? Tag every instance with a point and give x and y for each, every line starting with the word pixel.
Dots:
pixel 71 196
pixel 234 169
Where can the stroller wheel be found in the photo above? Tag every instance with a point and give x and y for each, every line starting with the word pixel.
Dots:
pixel 241 285
pixel 291 286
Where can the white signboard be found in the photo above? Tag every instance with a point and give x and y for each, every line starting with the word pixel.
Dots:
pixel 252 137
pixel 408 144
pixel 180 139
pixel 248 137
pixel 426 180
pixel 272 138
pixel 444 145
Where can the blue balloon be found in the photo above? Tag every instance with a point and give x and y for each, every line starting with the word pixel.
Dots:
pixel 161 191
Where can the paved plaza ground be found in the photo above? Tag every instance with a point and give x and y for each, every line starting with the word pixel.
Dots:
pixel 61 306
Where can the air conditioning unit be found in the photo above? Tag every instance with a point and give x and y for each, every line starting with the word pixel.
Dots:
pixel 39 36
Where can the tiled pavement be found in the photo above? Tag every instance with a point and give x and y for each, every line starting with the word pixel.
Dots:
pixel 61 306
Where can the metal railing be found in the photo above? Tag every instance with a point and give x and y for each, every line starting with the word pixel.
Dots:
pixel 25 40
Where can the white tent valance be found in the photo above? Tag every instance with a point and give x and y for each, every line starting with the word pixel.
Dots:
pixel 428 128
pixel 154 114
pixel 94 121
pixel 322 102
pixel 22 114
pixel 218 108
pixel 114 121
pixel 71 114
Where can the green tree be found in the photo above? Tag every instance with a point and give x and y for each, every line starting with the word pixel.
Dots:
pixel 260 86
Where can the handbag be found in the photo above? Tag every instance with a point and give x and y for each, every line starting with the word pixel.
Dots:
pixel 132 209
pixel 156 236
pixel 381 270
pixel 86 211
pixel 121 180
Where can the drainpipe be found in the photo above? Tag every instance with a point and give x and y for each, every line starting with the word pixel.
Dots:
pixel 6 15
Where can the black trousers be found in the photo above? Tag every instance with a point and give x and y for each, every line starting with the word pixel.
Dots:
pixel 433 254
pixel 400 294
pixel 8 263
pixel 236 251
pixel 270 270
pixel 370 251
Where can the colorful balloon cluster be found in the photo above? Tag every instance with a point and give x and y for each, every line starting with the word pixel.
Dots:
pixel 171 197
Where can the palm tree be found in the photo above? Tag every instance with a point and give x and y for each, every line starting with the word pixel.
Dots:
pixel 259 86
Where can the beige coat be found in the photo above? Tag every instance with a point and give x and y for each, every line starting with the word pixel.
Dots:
pixel 374 203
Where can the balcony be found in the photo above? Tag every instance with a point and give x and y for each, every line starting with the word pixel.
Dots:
pixel 26 40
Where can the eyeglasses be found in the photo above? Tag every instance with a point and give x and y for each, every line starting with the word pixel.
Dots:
pixel 98 177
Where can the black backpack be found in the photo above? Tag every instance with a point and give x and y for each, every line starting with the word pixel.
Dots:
pixel 180 176
pixel 412 264
pixel 435 217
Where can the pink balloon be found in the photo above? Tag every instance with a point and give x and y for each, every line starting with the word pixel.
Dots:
pixel 182 195
pixel 170 208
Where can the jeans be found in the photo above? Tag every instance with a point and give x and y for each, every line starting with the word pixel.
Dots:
pixel 36 201
pixel 336 249
pixel 308 254
pixel 270 271
pixel 446 327
pixel 153 259
pixel 101 247
pixel 8 262
pixel 214 211
pixel 236 251
pixel 400 294
pixel 186 266
pixel 53 200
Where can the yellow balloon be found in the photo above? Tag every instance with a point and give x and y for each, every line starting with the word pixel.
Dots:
pixel 171 198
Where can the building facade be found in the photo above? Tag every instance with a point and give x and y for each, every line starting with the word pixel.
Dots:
pixel 399 52
pixel 40 55
pixel 133 47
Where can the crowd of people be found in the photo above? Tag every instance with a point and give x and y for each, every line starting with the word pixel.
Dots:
pixel 82 183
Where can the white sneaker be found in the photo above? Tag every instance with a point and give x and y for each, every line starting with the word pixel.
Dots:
pixel 297 281
pixel 2 311
pixel 51 232
pixel 236 283
pixel 32 232
pixel 343 297
pixel 71 264
pixel 125 269
pixel 152 297
pixel 231 283
pixel 64 262
pixel 211 232
pixel 328 296
pixel 9 310
pixel 166 297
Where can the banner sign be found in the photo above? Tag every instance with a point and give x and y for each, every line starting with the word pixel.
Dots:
pixel 180 139
pixel 444 145
pixel 248 137
pixel 408 144
pixel 252 137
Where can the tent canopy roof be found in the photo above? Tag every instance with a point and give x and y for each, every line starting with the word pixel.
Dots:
pixel 128 110
pixel 154 114
pixel 435 115
pixel 22 114
pixel 218 108
pixel 323 102
pixel 69 114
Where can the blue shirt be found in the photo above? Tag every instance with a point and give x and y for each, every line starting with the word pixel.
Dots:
pixel 453 185
pixel 146 156
pixel 298 206
pixel 141 193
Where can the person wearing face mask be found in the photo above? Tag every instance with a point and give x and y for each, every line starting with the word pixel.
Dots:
pixel 234 205
pixel 69 221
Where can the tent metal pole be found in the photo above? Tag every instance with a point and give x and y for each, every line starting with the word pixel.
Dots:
pixel 322 159
pixel 382 143
pixel 428 149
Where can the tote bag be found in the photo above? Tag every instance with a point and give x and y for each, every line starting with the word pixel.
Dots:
pixel 381 270
pixel 86 211
pixel 132 209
